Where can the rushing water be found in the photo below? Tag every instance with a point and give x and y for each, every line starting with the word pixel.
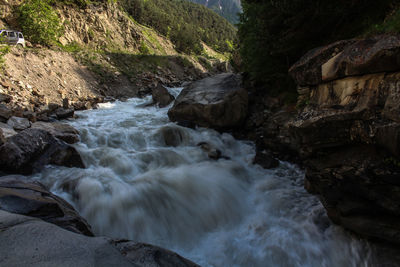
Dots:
pixel 224 212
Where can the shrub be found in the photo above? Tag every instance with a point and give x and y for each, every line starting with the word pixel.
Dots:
pixel 39 21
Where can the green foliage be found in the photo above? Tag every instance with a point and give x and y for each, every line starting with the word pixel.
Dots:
pixel 144 49
pixel 39 21
pixel 275 34
pixel 390 25
pixel 228 9
pixel 4 50
pixel 185 23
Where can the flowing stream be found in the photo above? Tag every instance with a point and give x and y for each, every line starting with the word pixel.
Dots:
pixel 147 180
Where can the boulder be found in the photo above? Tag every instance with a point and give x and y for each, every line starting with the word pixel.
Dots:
pixel 21 196
pixel 216 102
pixel 62 113
pixel 28 241
pixel 161 96
pixel 140 253
pixel 172 136
pixel 62 131
pixel 373 55
pixel 30 150
pixel 5 113
pixel 307 71
pixel 7 130
pixel 19 124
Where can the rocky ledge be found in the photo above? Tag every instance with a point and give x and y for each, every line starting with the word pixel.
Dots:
pixel 346 132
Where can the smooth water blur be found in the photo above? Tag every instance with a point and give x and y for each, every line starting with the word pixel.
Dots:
pixel 147 180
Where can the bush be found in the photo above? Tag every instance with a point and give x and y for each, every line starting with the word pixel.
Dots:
pixel 39 21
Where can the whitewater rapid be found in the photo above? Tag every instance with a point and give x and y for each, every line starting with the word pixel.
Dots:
pixel 148 181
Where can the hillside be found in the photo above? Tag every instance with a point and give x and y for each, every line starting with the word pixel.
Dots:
pixel 105 53
pixel 186 24
pixel 228 9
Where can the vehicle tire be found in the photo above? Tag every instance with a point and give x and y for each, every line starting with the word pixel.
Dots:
pixel 20 46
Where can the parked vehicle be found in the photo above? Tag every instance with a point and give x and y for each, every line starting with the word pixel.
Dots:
pixel 12 37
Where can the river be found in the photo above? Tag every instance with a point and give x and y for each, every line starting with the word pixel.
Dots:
pixel 225 212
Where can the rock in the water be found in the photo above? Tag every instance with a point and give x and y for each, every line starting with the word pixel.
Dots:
pixel 5 113
pixel 19 124
pixel 139 253
pixel 32 149
pixel 64 113
pixel 172 136
pixel 28 241
pixel 212 152
pixel 18 195
pixel 265 160
pixel 216 102
pixel 2 138
pixel 62 131
pixel 161 96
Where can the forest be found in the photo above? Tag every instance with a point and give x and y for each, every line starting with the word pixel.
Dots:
pixel 275 34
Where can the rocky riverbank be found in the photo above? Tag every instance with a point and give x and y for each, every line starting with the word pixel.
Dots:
pixel 345 131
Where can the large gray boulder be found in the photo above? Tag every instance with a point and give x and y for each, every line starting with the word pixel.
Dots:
pixel 21 196
pixel 32 149
pixel 217 102
pixel 27 241
pixel 62 131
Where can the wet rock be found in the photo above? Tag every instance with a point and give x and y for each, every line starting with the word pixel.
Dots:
pixel 62 131
pixel 2 138
pixel 30 150
pixel 64 113
pixel 148 255
pixel 19 124
pixel 172 136
pixel 215 102
pixel 5 113
pixel 7 130
pixel 212 152
pixel 40 243
pixel 21 196
pixel 161 96
pixel 265 160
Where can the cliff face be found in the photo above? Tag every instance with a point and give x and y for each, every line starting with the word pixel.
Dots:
pixel 348 132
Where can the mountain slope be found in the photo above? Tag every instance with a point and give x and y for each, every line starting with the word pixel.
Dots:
pixel 185 23
pixel 229 9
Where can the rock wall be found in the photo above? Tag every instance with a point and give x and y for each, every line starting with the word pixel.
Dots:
pixel 348 132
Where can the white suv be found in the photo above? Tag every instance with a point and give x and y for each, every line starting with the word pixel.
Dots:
pixel 12 37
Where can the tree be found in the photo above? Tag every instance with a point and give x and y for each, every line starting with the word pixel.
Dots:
pixel 39 21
